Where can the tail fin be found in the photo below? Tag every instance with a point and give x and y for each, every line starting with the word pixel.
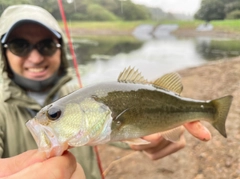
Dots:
pixel 222 106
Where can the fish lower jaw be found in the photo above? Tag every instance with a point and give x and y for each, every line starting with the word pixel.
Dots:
pixel 54 150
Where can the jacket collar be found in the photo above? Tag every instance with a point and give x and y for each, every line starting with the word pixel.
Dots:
pixel 13 94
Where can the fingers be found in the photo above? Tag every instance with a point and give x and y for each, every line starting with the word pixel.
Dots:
pixel 15 164
pixel 34 164
pixel 79 173
pixel 160 147
pixel 165 149
pixel 155 139
pixel 59 167
pixel 198 130
pixel 62 166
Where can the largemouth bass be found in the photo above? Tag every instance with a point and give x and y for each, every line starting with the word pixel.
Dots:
pixel 125 110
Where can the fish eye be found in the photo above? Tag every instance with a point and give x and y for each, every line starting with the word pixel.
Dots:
pixel 54 113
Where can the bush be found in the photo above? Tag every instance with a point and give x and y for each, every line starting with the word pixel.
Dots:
pixel 98 13
pixel 131 12
pixel 233 15
pixel 79 17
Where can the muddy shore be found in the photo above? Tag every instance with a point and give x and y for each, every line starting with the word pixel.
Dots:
pixel 213 33
pixel 215 159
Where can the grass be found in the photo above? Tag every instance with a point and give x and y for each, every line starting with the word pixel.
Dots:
pixel 114 38
pixel 228 25
pixel 222 25
pixel 111 25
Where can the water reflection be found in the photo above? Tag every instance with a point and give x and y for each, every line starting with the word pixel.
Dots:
pixel 104 58
pixel 214 49
pixel 94 48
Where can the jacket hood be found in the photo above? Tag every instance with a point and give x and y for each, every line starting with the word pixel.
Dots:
pixel 17 13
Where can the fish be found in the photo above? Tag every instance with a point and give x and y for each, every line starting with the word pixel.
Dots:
pixel 123 110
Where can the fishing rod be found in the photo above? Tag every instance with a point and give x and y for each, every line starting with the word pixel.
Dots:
pixel 61 9
pixel 70 42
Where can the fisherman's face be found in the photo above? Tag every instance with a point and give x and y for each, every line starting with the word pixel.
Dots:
pixel 34 65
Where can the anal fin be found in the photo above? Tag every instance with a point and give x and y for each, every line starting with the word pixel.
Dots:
pixel 173 135
pixel 136 141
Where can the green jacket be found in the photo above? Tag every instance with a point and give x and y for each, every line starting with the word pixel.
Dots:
pixel 15 138
pixel 16 105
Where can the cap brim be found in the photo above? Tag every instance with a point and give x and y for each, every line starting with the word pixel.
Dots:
pixel 6 35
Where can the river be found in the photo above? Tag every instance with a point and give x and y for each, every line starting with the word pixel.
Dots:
pixel 103 58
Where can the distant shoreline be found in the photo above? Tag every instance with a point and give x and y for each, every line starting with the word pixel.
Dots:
pixel 181 32
pixel 214 33
pixel 76 32
pixel 221 28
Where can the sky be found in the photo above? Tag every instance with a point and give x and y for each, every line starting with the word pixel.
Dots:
pixel 188 7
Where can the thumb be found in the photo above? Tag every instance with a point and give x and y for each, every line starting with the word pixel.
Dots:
pixel 55 168
pixel 198 130
pixel 9 166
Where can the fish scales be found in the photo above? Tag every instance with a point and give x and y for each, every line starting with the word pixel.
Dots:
pixel 153 109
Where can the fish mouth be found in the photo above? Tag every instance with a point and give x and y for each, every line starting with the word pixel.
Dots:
pixel 45 138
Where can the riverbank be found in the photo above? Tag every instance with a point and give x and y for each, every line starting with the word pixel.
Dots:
pixel 225 29
pixel 217 158
pixel 181 32
pixel 104 28
pixel 186 32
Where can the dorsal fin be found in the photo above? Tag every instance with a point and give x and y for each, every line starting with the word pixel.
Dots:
pixel 171 82
pixel 130 75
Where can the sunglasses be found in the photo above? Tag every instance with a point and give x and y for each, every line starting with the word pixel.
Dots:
pixel 22 47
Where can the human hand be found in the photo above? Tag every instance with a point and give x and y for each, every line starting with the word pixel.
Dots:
pixel 34 164
pixel 160 147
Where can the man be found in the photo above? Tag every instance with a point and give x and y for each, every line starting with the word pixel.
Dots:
pixel 35 73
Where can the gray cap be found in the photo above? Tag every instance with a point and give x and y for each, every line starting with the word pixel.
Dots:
pixel 16 15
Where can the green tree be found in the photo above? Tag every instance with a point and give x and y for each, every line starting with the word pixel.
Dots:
pixel 227 1
pixel 233 6
pixel 4 4
pixel 211 10
pixel 233 15
pixel 130 11
pixel 88 9
pixel 125 9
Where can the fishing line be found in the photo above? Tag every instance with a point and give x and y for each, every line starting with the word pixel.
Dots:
pixel 61 9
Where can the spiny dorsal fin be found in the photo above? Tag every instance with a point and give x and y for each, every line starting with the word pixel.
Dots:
pixel 130 75
pixel 171 82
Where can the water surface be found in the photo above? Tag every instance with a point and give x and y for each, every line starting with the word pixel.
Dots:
pixel 103 58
